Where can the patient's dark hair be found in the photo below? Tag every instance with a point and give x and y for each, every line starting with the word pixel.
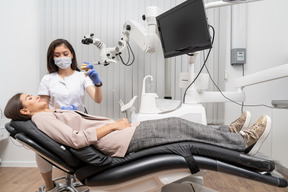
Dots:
pixel 13 107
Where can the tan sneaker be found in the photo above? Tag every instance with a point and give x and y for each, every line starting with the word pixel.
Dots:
pixel 241 123
pixel 257 134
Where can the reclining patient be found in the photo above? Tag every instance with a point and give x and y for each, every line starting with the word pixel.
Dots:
pixel 117 138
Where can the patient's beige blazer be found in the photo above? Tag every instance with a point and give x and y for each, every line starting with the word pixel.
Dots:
pixel 77 130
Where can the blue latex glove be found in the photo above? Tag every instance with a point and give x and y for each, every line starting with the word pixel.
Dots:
pixel 73 107
pixel 92 73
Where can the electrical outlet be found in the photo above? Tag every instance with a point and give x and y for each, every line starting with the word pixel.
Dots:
pixel 238 56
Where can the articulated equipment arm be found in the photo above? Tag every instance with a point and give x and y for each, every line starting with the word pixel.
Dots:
pixel 146 39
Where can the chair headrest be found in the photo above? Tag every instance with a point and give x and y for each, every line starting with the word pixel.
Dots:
pixel 29 128
pixel 11 130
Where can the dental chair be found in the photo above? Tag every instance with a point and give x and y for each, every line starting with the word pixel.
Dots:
pixel 146 170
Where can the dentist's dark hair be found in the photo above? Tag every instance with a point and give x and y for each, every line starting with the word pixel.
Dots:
pixel 13 107
pixel 51 67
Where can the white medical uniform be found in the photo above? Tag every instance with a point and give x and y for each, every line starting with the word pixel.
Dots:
pixel 65 92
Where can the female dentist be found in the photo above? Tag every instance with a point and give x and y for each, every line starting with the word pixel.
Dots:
pixel 64 87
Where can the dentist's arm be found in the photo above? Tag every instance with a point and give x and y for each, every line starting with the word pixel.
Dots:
pixel 95 92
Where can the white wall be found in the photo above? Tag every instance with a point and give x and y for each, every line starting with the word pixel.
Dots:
pixel 19 56
pixel 267 46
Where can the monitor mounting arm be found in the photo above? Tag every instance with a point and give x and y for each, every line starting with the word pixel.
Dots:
pixel 198 96
pixel 227 3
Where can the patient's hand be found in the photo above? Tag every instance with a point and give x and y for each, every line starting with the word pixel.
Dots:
pixel 118 125
pixel 121 124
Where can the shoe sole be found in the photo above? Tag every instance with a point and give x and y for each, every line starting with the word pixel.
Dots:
pixel 263 137
pixel 247 120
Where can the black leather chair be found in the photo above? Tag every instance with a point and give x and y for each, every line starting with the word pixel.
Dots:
pixel 150 168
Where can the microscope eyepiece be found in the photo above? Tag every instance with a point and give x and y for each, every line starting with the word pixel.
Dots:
pixel 87 41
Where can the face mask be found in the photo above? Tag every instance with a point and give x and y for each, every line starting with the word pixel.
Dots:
pixel 63 62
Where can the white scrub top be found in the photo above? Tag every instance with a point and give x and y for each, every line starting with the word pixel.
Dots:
pixel 65 92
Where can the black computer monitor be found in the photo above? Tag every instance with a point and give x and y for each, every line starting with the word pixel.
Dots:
pixel 184 29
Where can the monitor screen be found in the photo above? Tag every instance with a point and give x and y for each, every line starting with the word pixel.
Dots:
pixel 184 29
